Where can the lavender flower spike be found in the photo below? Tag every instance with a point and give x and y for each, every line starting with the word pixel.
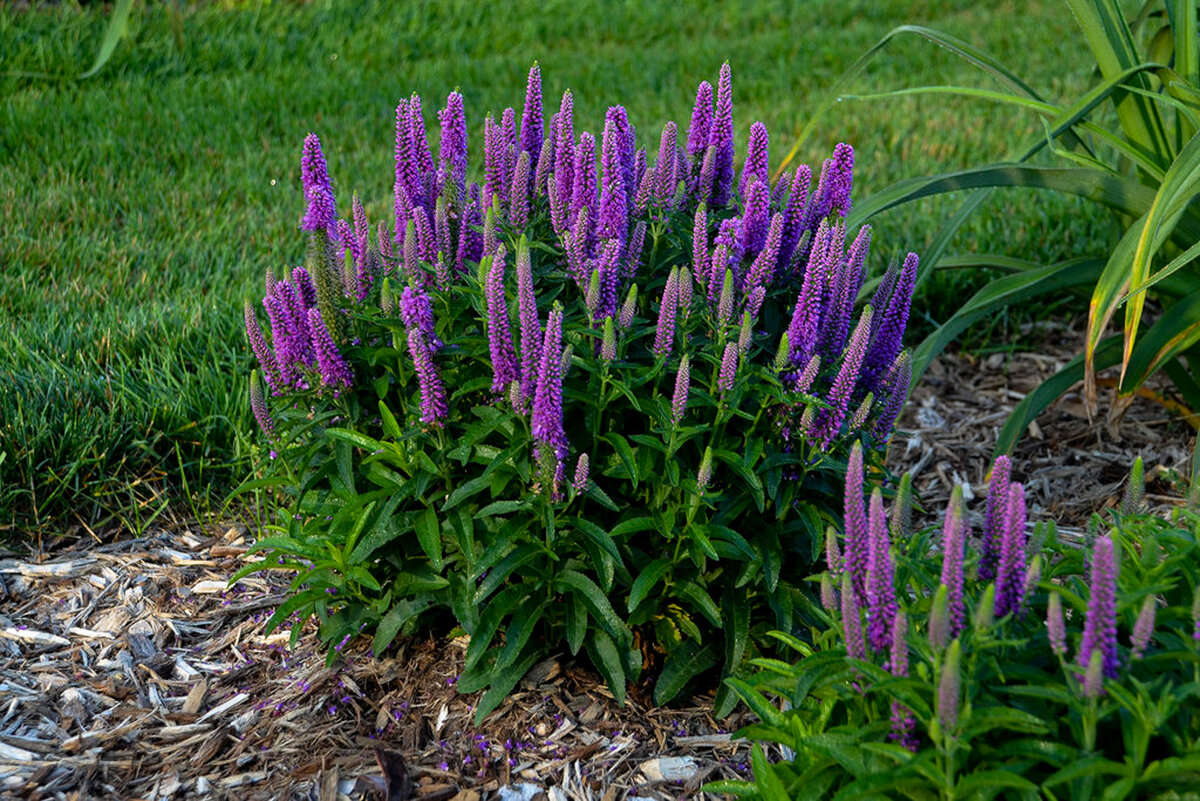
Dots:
pixel 756 167
pixel 518 210
pixel 1143 628
pixel 664 335
pixel 857 537
pixel 580 482
pixel 679 400
pixel 702 114
pixel 993 521
pixel 856 648
pixel 258 404
pixel 531 117
pixel 700 258
pixel 547 419
pixel 829 422
pixel 1056 627
pixel 903 721
pixel 1010 575
pixel 321 214
pixel 887 338
pixel 895 393
pixel 721 138
pixel 949 688
pixel 433 391
pixel 881 592
pixel 453 152
pixel 527 317
pixel 504 359
pixel 614 209
pixel 264 354
pixel 335 374
pixel 1100 624
pixel 664 167
pixel 954 537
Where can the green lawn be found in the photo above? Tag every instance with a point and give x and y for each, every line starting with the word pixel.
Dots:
pixel 142 205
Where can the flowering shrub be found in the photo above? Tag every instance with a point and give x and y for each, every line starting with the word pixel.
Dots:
pixel 978 682
pixel 600 409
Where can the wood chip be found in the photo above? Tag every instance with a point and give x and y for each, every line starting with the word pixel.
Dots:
pixel 34 637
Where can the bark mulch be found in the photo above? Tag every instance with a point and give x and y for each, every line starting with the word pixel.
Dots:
pixel 129 669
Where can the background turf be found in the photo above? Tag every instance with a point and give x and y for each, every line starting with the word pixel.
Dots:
pixel 142 205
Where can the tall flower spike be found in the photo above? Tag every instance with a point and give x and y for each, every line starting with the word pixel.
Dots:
pixel 949 688
pixel 700 258
pixel 762 270
pixel 531 117
pixel 580 481
pixel 829 421
pixel 1143 628
pixel 1010 573
pixel 629 307
pixel 564 156
pixel 423 189
pixel 1093 676
pixel 664 166
pixel 704 181
pixel 527 318
pixel 683 293
pixel 608 342
pixel 993 520
pixel 857 536
pixel 509 149
pixel 321 214
pixel 335 374
pixel 583 190
pixel 704 474
pixel 547 420
pixel 433 391
pixel 954 536
pixel 406 169
pixel 888 339
pixel 881 591
pixel 545 162
pixel 895 392
pixel 1100 624
pixel 939 618
pixel 721 138
pixel 504 359
pixel 729 362
pixel 263 353
pixel 416 310
pixel 258 405
pixel 493 163
pixel 614 209
pixel 833 554
pixel 1056 627
pixel 518 211
pixel 702 114
pixel 683 380
pixel 856 648
pixel 664 334
pixel 805 378
pixel 793 228
pixel 903 721
pixel 453 151
pixel 755 218
pixel 725 304
pixel 756 167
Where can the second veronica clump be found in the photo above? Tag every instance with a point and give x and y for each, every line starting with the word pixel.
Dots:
pixel 677 336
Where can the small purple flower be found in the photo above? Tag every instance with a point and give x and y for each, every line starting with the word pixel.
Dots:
pixel 406 179
pixel 664 335
pixel 504 359
pixel 1056 627
pixel 704 182
pixel 881 592
pixel 1143 628
pixel 614 209
pixel 453 152
pixel 762 270
pixel 683 378
pixel 493 163
pixel 564 157
pixel 433 391
pixel 753 231
pixel 954 537
pixel 805 378
pixel 416 310
pixel 729 363
pixel 793 213
pixel 857 536
pixel 1100 623
pixel 509 148
pixel 335 374
pixel 993 521
pixel 664 166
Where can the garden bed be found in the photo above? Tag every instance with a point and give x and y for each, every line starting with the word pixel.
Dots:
pixel 132 672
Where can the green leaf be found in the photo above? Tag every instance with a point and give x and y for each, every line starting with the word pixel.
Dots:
pixel 683 664
pixel 605 658
pixel 468 489
pixel 745 473
pixel 735 614
pixel 598 605
pixel 429 535
pixel 117 29
pixel 494 613
pixel 700 600
pixel 769 785
pixel 757 702
pixel 633 526
pixel 597 535
pixel 401 613
pixel 1087 766
pixel 577 618
pixel 649 576
pixel 503 508
pixel 390 426
pixel 625 454
pixel 296 602
pixel 519 557
pixel 503 682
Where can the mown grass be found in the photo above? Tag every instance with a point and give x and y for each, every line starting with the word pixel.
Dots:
pixel 142 205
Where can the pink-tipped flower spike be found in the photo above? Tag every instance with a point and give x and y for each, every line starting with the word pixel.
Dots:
pixel 756 167
pixel 416 310
pixel 580 481
pixel 950 688
pixel 608 343
pixel 531 117
pixel 470 238
pixel 836 183
pixel 833 554
pixel 939 619
pixel 683 379
pixel 993 521
pixel 725 303
pixel 664 335
pixel 263 353
pixel 645 191
pixel 881 591
pixel 1143 628
pixel 721 138
pixel 729 362
pixel 903 721
pixel 664 167
pixel 518 211
pixel 704 474
pixel 806 377
pixel 1010 574
pixel 704 181
pixel 828 423
pixel 426 240
pixel 1056 627
pixel 1100 623
pixel 857 536
pixel 745 333
pixel 856 647
pixel 702 114
pixel 258 405
pixel 953 552
pixel 335 374
pixel 527 318
pixel 829 599
pixel 500 345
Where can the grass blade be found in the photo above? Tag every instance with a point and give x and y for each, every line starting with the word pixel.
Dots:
pixel 117 28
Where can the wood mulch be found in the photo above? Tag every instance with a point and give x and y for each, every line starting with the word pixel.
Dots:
pixel 129 669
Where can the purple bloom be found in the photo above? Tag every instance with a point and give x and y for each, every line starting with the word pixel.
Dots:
pixel 564 160
pixel 321 214
pixel 794 215
pixel 756 167
pixel 881 592
pixel 531 117
pixel 335 374
pixel 645 190
pixel 903 721
pixel 664 335
pixel 954 537
pixel 700 258
pixel 1100 624
pixel 856 648
pixel 837 181
pixel 761 271
pixel 664 166
pixel 433 392
pixel 683 379
pixel 258 404
pixel 426 240
pixel 857 536
pixel 504 359
pixel 721 138
pixel 627 152
pixel 829 421
pixel 702 114
pixel 527 318
pixel 704 182
pixel 894 391
pixel 547 420
pixel 629 307
pixel 416 310
pixel 805 325
pixel 888 337
pixel 755 216
pixel 614 210
pixel 580 482
pixel 470 238
pixel 1010 573
pixel 993 521
pixel 493 163
pixel 407 180
pixel 264 355
pixel 1056 627
pixel 545 163
pixel 453 152
pixel 518 210
pixel 805 377
pixel 949 688
pixel 509 147
pixel 583 190
pixel 1143 628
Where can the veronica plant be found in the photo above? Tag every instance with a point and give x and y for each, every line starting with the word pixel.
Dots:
pixel 980 690
pixel 1130 144
pixel 602 409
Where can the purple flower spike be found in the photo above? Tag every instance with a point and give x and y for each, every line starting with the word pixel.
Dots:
pixel 547 420
pixel 470 238
pixel 583 190
pixel 564 159
pixel 433 392
pixel 888 337
pixel 700 257
pixel 335 374
pixel 729 363
pixel 531 117
pixel 416 310
pixel 614 209
pixel 762 270
pixel 1010 573
pixel 518 211
pixel 1056 627
pixel 683 381
pixel 264 355
pixel 453 152
pixel 903 722
pixel 702 114
pixel 1100 624
pixel 704 182
pixel 833 555
pixel 580 481
pixel 629 307
pixel 794 214
pixel 423 188
pixel 840 181
pixel 527 317
pixel 258 405
pixel 664 335
pixel 664 167
pixel 504 359
pixel 856 647
pixel 954 537
pixel 721 137
pixel 493 163
pixel 545 162
pixel 881 592
pixel 753 232
pixel 509 147
pixel 318 190
pixel 949 688
pixel 804 379
pixel 894 391
pixel 857 535
pixel 756 167
pixel 1143 628
pixel 993 521
pixel 829 421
